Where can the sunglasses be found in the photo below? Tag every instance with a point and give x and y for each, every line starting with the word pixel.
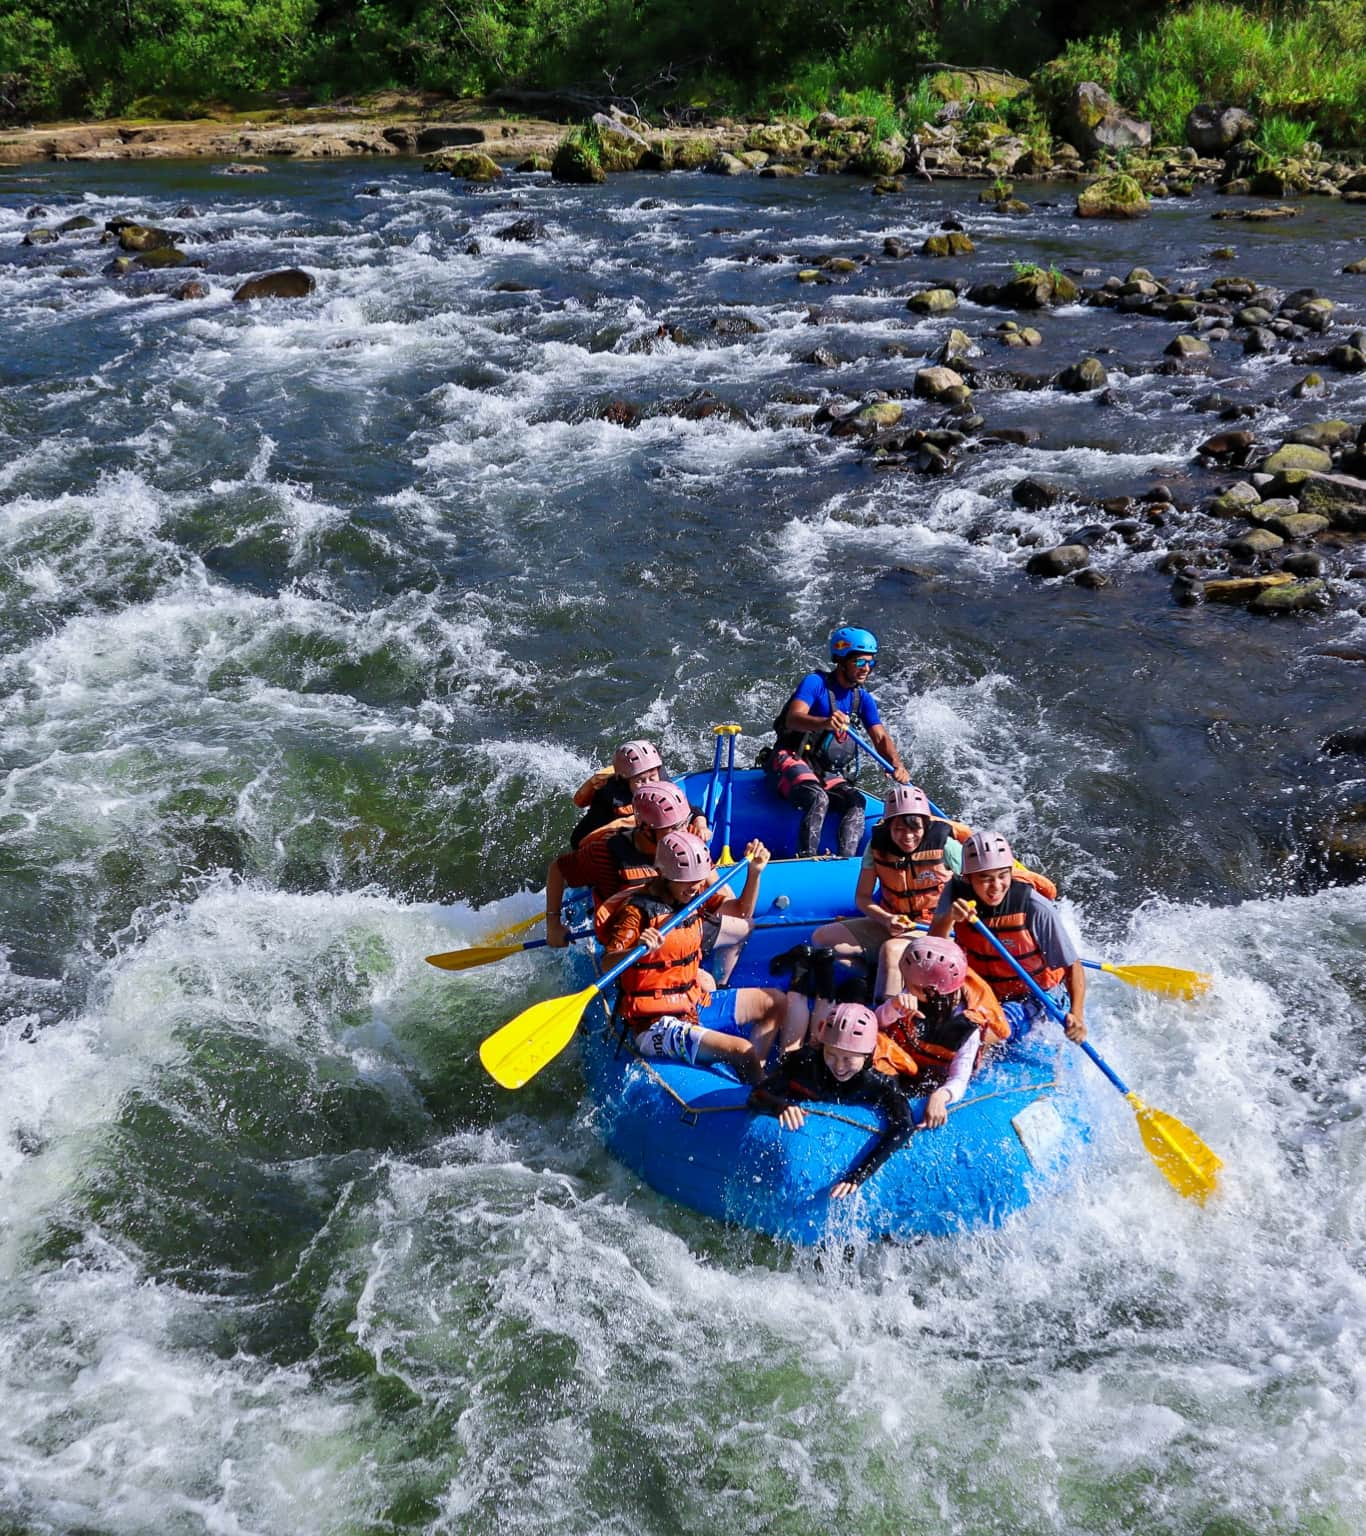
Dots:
pixel 863 661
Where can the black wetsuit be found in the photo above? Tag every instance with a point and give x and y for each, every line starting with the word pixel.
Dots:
pixel 803 1079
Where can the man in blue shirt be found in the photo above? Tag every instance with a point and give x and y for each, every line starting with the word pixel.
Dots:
pixel 815 759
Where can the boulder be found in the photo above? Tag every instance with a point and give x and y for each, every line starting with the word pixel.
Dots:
pixel 1233 446
pixel 525 231
pixel 880 156
pixel 879 416
pixel 466 164
pixel 1094 122
pixel 723 164
pixel 1186 347
pixel 165 256
pixel 1214 127
pixel 289 283
pixel 1292 597
pixel 1061 560
pixel 955 243
pixel 1356 268
pixel 1086 375
pixel 940 383
pixel 1259 541
pixel 1235 501
pixel 1340 844
pixel 1347 359
pixel 781 172
pixel 533 163
pixel 1324 434
pixel 577 161
pixel 620 147
pixel 1112 197
pixel 1297 525
pixel 991 87
pixel 933 301
pixel 1035 288
pixel 192 290
pixel 780 138
pixel 1036 493
pixel 83 221
pixel 144 237
pixel 1298 456
pixel 1310 387
pixel 956 346
pixel 40 237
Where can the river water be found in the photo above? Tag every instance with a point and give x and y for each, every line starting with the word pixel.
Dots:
pixel 313 615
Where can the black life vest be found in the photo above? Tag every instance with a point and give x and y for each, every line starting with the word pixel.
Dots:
pixel 822 749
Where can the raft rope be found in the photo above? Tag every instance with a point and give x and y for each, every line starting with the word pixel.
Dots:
pixel 692 1113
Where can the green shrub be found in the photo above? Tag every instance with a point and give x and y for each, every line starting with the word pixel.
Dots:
pixel 39 74
pixel 1280 138
pixel 1091 58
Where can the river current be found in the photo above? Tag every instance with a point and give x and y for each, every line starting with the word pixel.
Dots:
pixel 313 615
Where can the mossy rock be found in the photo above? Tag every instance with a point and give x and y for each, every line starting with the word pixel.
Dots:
pixel 468 164
pixel 692 154
pixel 954 243
pixel 578 161
pixel 1112 197
pixel 163 256
pixel 882 157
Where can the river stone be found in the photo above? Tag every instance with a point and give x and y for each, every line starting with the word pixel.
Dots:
pixel 1273 507
pixel 1036 493
pixel 843 265
pixel 466 164
pixel 723 164
pixel 1234 446
pixel 879 416
pixel 1260 541
pixel 1094 122
pixel 1214 127
pixel 40 237
pixel 956 346
pixel 1086 375
pixel 289 283
pixel 1061 560
pixel 940 383
pixel 1298 456
pixel 1298 525
pixel 164 256
pixel 933 301
pixel 1242 589
pixel 192 290
pixel 1356 268
pixel 1348 743
pixel 780 172
pixel 1235 501
pixel 1340 844
pixel 1310 387
pixel 1291 597
pixel 897 249
pixel 1035 289
pixel 620 147
pixel 955 243
pixel 1112 197
pixel 1340 498
pixel 524 231
pixel 1186 346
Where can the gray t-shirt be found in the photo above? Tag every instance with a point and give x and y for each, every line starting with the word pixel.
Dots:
pixel 1044 923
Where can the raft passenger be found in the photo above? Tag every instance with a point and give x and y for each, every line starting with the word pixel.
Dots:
pixel 605 796
pixel 839 1069
pixel 660 997
pixel 934 1021
pixel 911 857
pixel 814 760
pixel 1017 906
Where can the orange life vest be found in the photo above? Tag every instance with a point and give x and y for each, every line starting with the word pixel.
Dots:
pixel 910 883
pixel 983 1007
pixel 666 980
pixel 583 795
pixel 1010 923
pixel 933 1046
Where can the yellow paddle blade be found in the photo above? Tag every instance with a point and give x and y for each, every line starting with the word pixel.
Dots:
pixel 1166 979
pixel 514 1054
pixel 467 959
pixel 1186 1163
pixel 516 928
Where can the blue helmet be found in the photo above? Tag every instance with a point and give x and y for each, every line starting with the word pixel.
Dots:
pixel 849 640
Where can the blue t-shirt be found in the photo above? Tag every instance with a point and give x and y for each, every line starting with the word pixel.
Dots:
pixel 816 694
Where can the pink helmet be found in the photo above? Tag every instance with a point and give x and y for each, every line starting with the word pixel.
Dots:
pixel 986 851
pixel 850 1027
pixel 660 806
pixel 938 965
pixel 906 800
pixel 683 857
pixel 633 757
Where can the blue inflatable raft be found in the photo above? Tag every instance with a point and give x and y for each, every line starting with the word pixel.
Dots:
pixel 686 1131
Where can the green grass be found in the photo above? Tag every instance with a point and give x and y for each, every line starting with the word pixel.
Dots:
pixel 1281 138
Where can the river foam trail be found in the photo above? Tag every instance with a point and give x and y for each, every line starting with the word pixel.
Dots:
pixel 312 618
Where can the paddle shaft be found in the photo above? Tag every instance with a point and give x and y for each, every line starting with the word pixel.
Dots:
pixel 710 801
pixel 1049 1006
pixel 886 767
pixel 730 789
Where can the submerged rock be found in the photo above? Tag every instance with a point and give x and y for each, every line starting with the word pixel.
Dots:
pixel 1061 560
pixel 1086 375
